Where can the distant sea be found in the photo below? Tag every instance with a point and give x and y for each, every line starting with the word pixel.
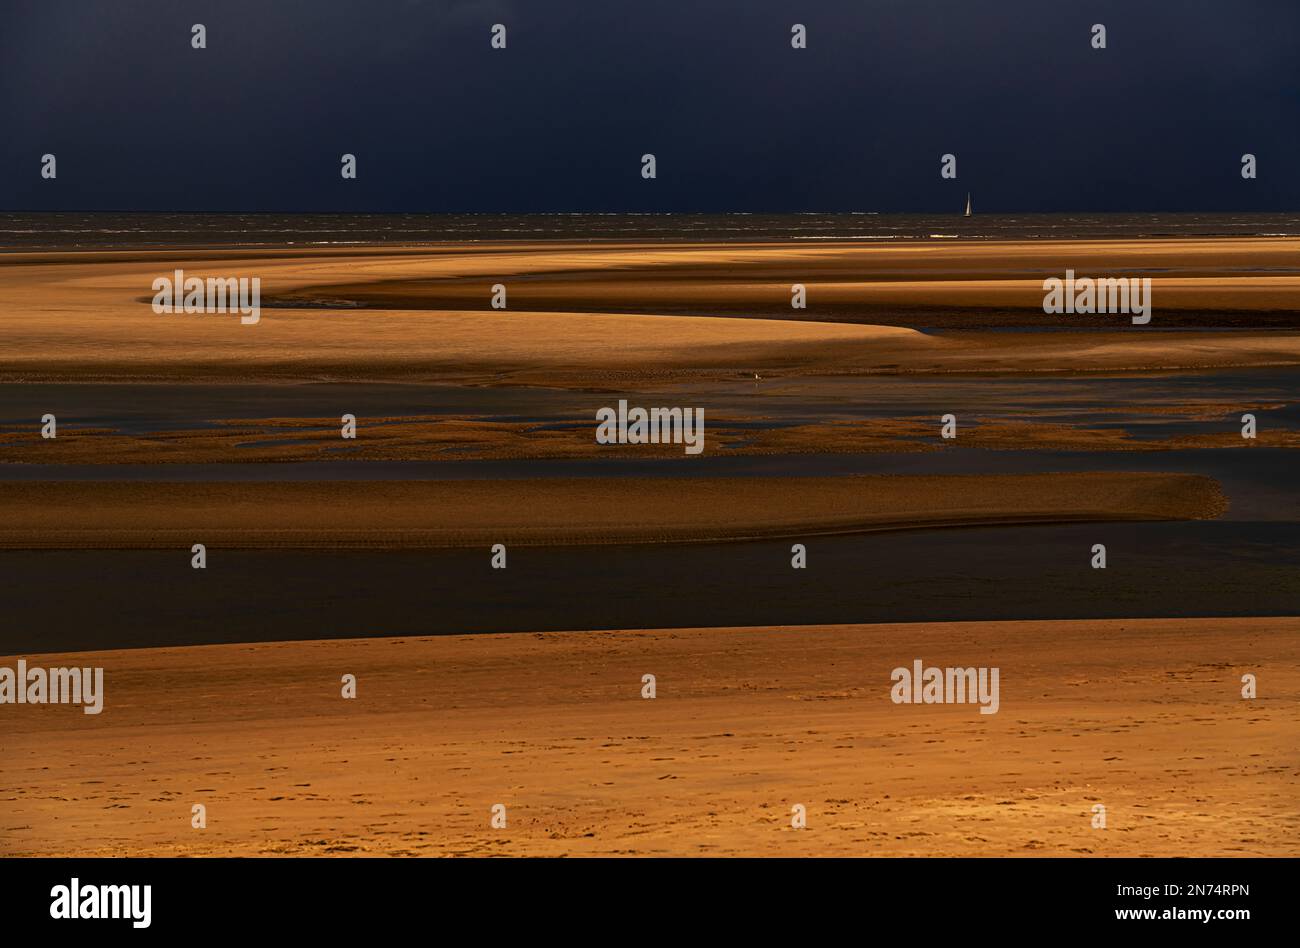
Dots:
pixel 105 231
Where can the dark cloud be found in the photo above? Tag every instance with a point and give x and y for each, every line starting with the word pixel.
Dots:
pixel 737 119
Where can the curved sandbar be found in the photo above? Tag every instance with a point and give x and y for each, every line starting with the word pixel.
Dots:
pixel 585 315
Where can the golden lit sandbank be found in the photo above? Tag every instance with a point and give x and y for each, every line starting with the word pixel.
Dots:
pixel 1142 717
pixel 87 317
pixel 1241 282
pixel 570 511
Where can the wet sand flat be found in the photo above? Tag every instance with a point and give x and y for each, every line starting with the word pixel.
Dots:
pixel 452 440
pixel 559 512
pixel 1144 717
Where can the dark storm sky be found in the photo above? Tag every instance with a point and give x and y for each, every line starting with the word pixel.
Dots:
pixel 738 120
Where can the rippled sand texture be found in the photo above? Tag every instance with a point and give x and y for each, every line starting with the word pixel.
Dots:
pixel 1143 717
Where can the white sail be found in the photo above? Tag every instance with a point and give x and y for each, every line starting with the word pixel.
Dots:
pixel 968 204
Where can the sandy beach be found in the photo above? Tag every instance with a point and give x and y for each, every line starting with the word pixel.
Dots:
pixel 1143 717
pixel 182 429
pixel 702 434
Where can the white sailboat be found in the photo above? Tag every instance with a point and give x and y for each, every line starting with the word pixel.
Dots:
pixel 967 204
